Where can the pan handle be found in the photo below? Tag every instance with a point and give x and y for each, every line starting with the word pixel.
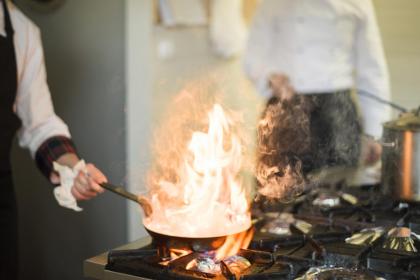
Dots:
pixel 120 191
pixel 381 141
pixel 388 144
pixel 144 203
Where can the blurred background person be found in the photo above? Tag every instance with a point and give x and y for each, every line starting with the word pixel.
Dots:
pixel 26 107
pixel 308 55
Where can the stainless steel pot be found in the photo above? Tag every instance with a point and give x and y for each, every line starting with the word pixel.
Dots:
pixel 401 157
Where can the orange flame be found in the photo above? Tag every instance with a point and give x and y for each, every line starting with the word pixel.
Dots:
pixel 205 197
pixel 234 243
pixel 177 253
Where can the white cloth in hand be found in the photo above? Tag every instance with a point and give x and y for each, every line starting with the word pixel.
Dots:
pixel 63 193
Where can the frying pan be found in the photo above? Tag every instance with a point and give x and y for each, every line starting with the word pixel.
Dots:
pixel 164 242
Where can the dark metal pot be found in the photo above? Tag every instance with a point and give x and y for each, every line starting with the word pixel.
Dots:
pixel 401 157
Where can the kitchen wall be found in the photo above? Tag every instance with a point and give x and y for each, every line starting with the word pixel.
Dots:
pixel 139 94
pixel 399 22
pixel 85 54
pixel 192 61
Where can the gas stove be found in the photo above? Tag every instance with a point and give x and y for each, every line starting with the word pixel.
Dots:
pixel 331 233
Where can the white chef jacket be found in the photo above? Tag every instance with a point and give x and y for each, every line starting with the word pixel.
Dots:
pixel 323 46
pixel 33 103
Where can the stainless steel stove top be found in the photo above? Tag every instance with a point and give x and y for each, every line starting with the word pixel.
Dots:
pixel 94 268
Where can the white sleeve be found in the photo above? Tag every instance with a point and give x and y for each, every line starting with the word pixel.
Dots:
pixel 371 72
pixel 33 100
pixel 258 48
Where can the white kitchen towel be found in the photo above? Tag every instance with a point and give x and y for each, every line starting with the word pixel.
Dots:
pixel 63 193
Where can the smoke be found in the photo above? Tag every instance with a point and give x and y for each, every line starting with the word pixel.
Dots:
pixel 303 136
pixel 283 134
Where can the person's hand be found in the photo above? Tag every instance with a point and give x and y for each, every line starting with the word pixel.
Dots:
pixel 372 151
pixel 281 87
pixel 86 185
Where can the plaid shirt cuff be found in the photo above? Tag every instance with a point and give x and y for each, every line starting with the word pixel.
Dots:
pixel 50 151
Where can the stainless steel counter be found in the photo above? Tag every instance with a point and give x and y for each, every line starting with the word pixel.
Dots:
pixel 94 268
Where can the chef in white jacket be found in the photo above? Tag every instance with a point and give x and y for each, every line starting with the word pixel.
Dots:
pixel 321 49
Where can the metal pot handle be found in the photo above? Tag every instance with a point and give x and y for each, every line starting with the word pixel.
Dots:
pixel 382 141
pixel 388 144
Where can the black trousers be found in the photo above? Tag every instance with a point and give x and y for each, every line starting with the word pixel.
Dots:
pixel 335 131
pixel 8 229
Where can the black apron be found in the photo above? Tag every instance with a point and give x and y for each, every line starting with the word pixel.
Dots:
pixel 335 130
pixel 9 124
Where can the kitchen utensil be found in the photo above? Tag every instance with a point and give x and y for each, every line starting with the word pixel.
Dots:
pixel 145 205
pixel 165 242
pixel 401 153
pixel 383 101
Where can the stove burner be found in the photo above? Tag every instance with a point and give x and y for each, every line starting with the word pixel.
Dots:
pixel 399 238
pixel 328 273
pixel 402 232
pixel 303 226
pixel 283 223
pixel 326 201
pixel 279 225
pixel 365 237
pixel 237 264
pixel 207 264
pixel 351 199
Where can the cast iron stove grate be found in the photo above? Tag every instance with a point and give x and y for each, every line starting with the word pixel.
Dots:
pixel 264 265
pixel 292 255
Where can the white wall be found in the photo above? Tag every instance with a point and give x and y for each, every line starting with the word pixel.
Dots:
pixel 139 78
pixel 194 61
pixel 399 22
